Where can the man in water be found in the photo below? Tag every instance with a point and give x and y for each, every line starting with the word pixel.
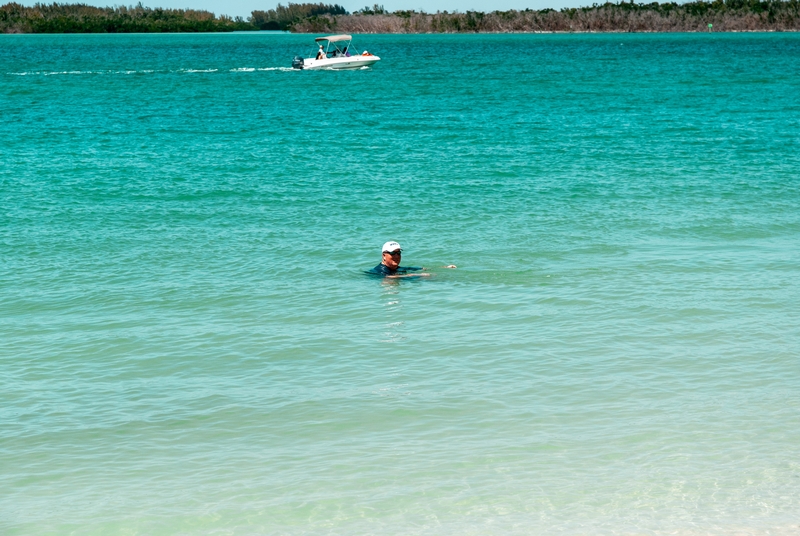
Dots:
pixel 390 265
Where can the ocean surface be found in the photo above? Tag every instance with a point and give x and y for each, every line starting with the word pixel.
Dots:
pixel 188 344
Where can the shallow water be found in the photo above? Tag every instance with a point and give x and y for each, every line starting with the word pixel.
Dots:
pixel 188 345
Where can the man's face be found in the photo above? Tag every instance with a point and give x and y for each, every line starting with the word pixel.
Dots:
pixel 392 260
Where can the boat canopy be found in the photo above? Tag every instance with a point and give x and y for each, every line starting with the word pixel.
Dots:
pixel 334 38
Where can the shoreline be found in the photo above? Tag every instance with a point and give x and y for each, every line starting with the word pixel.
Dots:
pixel 557 32
pixel 540 32
pixel 692 17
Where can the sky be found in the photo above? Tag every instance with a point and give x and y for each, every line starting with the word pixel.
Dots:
pixel 243 8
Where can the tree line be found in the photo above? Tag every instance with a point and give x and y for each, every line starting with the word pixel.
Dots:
pixel 284 18
pixel 723 15
pixel 80 18
pixel 716 15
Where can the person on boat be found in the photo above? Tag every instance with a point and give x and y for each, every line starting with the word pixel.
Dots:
pixel 390 264
pixel 346 53
pixel 365 53
pixel 321 54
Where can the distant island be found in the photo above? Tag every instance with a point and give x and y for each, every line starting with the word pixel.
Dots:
pixel 717 16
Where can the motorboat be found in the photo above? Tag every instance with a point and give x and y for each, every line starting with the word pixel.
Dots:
pixel 335 52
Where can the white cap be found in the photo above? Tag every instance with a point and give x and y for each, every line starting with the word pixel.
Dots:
pixel 391 246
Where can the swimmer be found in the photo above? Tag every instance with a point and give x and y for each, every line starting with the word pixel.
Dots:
pixel 390 265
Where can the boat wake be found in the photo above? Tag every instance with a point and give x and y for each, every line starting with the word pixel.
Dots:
pixel 151 71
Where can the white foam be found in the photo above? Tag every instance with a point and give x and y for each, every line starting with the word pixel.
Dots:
pixel 51 73
pixel 148 71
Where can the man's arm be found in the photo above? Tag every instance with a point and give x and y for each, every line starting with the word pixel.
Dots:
pixel 448 266
pixel 398 276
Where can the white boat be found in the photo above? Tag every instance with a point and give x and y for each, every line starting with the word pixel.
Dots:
pixel 335 52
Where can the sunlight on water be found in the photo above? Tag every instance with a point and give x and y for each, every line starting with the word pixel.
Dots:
pixel 188 343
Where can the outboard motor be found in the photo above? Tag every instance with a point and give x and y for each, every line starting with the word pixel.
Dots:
pixel 298 62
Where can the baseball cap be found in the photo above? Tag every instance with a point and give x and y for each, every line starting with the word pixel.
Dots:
pixel 391 246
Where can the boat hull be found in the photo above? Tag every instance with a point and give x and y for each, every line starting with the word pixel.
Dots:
pixel 340 64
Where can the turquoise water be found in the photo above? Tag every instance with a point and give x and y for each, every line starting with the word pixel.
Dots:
pixel 188 345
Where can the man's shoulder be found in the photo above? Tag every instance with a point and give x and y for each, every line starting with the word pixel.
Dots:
pixel 381 269
pixel 384 270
